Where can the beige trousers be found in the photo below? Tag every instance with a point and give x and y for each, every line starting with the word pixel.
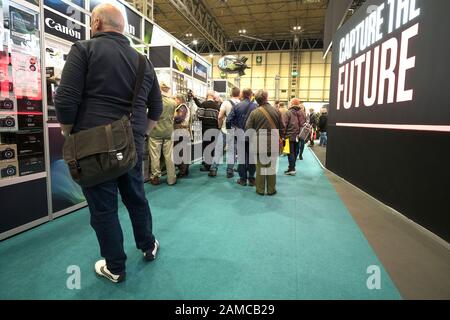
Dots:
pixel 166 146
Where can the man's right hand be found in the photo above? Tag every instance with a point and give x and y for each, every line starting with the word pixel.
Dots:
pixel 151 125
pixel 66 129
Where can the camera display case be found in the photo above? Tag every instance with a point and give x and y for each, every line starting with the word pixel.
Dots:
pixel 21 110
pixel 23 180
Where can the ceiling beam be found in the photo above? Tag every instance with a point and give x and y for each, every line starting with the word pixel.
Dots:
pixel 196 13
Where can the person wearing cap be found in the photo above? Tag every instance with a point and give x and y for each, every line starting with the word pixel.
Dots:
pixel 160 140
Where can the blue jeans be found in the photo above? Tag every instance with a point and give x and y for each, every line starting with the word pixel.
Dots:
pixel 302 146
pixel 295 150
pixel 323 139
pixel 103 206
pixel 247 170
pixel 231 154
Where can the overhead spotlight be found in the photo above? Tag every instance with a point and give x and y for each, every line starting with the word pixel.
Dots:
pixel 297 28
pixel 188 34
pixel 211 55
pixel 243 31
pixel 195 42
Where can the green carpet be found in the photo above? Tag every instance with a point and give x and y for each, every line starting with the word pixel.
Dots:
pixel 218 241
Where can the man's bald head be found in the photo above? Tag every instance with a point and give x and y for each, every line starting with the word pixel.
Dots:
pixel 106 18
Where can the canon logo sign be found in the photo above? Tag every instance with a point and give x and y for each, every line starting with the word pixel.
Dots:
pixel 63 29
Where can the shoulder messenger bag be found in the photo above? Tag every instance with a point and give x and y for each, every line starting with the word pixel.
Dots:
pixel 104 152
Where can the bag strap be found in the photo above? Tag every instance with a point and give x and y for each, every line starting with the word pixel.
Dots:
pixel 139 81
pixel 269 118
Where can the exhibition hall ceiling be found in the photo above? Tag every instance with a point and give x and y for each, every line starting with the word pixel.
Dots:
pixel 245 20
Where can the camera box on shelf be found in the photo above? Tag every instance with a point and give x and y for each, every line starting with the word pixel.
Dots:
pixel 29 143
pixel 29 105
pixel 8 122
pixel 9 170
pixel 8 104
pixel 31 165
pixel 30 121
pixel 8 153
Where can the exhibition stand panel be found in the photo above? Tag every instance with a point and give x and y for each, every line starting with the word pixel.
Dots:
pixel 389 117
pixel 23 176
pixel 36 37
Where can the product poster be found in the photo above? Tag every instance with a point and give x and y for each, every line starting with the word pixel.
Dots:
pixel 26 74
pixel 23 28
pixel 2 28
pixel 5 72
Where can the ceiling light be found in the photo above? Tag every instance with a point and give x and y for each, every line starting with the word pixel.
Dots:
pixel 211 55
pixel 195 42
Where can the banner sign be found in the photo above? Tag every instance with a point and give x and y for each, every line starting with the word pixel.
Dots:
pixel 67 10
pixel 181 62
pixel 384 56
pixel 132 19
pixel 200 71
pixel 148 32
pixel 389 96
pixel 63 28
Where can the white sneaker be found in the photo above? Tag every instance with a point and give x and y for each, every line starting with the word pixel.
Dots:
pixel 102 270
pixel 151 255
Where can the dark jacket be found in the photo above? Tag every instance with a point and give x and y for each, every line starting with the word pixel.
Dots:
pixel 313 120
pixel 98 81
pixel 323 123
pixel 240 113
pixel 295 120
pixel 208 114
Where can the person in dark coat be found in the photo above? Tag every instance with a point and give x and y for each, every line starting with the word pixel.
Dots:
pixel 295 119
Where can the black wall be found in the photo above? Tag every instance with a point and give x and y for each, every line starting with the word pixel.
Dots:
pixel 31 206
pixel 406 169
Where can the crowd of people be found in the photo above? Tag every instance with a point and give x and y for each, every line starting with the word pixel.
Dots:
pixel 245 110
pixel 88 101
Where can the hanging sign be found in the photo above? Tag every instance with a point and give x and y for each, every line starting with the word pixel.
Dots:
pixel 200 71
pixel 63 28
pixel 66 9
pixel 132 19
pixel 181 62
